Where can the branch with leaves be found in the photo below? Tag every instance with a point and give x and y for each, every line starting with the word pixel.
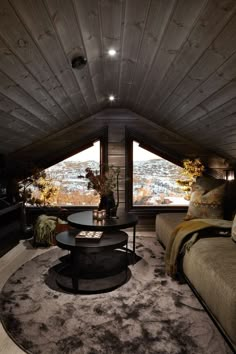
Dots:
pixel 191 170
pixel 43 183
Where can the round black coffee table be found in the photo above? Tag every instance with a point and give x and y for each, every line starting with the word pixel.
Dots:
pixel 84 221
pixel 94 265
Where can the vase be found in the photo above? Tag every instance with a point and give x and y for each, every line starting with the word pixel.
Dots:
pixel 107 202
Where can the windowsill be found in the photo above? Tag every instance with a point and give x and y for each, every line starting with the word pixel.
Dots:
pixel 151 210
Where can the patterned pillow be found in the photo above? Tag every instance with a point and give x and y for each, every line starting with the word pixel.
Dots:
pixel 233 231
pixel 206 204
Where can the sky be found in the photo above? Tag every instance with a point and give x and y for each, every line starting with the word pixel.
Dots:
pixel 140 154
pixel 92 153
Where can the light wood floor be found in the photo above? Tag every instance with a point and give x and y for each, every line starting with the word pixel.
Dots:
pixel 9 263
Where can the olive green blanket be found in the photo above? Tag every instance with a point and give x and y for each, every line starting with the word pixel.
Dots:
pixel 188 230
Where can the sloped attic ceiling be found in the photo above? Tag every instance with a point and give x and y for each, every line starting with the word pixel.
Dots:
pixel 175 65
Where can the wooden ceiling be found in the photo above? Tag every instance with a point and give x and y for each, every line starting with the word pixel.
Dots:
pixel 175 65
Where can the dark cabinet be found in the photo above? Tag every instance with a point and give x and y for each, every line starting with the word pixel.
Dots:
pixel 10 227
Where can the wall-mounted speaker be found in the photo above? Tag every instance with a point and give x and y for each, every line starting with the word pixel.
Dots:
pixel 78 62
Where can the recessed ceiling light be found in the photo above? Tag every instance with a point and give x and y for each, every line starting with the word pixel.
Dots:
pixel 112 52
pixel 111 98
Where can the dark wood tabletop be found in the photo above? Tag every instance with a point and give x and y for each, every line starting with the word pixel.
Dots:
pixel 84 221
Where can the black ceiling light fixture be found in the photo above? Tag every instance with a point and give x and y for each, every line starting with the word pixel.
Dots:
pixel 78 62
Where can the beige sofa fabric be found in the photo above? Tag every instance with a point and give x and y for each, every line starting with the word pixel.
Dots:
pixel 210 265
pixel 165 224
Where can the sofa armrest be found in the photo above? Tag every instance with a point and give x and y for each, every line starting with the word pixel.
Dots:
pixel 165 224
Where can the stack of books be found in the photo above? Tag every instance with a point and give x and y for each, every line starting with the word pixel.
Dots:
pixel 89 235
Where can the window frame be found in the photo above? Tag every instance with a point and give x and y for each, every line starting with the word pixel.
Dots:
pixel 84 143
pixel 158 150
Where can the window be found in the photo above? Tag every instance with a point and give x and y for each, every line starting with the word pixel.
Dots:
pixel 154 180
pixel 71 190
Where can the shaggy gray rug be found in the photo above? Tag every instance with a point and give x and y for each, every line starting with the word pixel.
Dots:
pixel 149 314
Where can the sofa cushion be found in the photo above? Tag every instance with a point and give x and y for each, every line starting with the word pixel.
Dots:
pixel 210 265
pixel 207 199
pixel 233 231
pixel 230 200
pixel 165 224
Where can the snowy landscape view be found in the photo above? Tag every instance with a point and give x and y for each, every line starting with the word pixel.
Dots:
pixel 154 179
pixel 154 183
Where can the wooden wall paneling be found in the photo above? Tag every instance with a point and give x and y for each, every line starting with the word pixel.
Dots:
pixel 116 148
pixel 174 152
pixel 158 17
pixel 223 98
pixel 17 94
pixel 182 21
pixel 228 137
pixel 122 197
pixel 116 132
pixel 168 140
pixel 10 64
pixel 15 110
pixel 200 72
pixel 220 78
pixel 228 150
pixel 18 126
pixel 211 120
pixel 206 48
pixel 8 146
pixel 87 13
pixel 59 149
pixel 58 146
pixel 111 18
pixel 134 23
pixel 217 135
pixel 72 133
pixel 65 22
pixel 146 223
pixel 117 160
pixel 200 115
pixel 45 36
pixel 21 43
pixel 13 141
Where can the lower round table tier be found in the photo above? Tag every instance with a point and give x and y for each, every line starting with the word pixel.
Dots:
pixel 67 240
pixel 86 272
pixel 84 221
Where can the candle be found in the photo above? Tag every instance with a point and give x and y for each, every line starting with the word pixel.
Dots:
pixel 95 214
pixel 100 215
pixel 100 222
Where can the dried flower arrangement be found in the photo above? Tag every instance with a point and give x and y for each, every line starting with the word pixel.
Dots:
pixel 104 183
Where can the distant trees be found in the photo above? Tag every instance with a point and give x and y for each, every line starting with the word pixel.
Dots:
pixel 77 198
pixel 154 182
pixel 38 189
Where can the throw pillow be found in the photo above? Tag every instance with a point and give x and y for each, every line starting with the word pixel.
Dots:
pixel 207 199
pixel 233 231
pixel 230 200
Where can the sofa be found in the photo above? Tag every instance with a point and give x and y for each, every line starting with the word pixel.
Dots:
pixel 209 267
